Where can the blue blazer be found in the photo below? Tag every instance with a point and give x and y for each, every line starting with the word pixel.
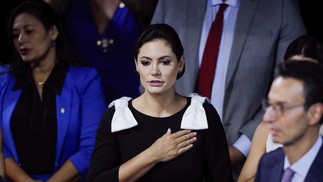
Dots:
pixel 79 109
pixel 270 168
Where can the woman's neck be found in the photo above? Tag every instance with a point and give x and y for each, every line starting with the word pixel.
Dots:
pixel 159 105
pixel 42 70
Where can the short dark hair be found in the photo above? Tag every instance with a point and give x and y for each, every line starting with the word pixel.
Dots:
pixel 310 74
pixel 164 32
pixel 306 46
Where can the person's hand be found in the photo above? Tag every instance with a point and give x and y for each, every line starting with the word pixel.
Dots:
pixel 171 145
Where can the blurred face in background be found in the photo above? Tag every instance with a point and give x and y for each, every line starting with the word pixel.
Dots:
pixel 32 41
pixel 286 116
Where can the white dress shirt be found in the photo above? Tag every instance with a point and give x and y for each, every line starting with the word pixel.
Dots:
pixel 302 166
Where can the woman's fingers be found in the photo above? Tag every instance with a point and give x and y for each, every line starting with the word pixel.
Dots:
pixel 185 137
pixel 181 133
pixel 185 149
pixel 170 145
pixel 186 140
pixel 168 132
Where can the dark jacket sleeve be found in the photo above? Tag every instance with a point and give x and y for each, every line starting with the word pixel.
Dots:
pixel 104 164
pixel 218 161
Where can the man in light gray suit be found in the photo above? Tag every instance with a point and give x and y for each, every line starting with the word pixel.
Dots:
pixel 255 36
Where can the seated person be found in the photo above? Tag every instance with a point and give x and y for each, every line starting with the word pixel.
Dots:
pixel 50 106
pixel 294 112
pixel 303 48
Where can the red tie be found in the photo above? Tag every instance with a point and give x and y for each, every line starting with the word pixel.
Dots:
pixel 208 65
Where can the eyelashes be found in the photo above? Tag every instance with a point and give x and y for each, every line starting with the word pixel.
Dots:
pixel 165 61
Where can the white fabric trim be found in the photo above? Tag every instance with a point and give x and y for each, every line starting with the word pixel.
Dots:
pixel 122 118
pixel 194 117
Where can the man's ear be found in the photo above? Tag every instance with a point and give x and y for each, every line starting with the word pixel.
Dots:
pixel 315 113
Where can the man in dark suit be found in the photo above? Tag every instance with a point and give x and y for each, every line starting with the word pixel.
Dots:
pixel 294 112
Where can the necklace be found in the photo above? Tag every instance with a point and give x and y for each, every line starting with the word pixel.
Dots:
pixel 40 84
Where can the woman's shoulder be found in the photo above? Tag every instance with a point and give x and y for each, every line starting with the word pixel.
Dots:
pixel 5 72
pixel 4 68
pixel 82 69
pixel 120 102
pixel 196 98
pixel 197 114
pixel 81 74
pixel 199 100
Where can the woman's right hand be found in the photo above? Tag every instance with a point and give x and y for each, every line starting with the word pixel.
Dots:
pixel 171 145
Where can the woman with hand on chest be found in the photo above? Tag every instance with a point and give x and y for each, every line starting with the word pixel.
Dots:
pixel 160 135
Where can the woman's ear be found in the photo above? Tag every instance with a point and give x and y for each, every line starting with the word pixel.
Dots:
pixel 136 63
pixel 53 32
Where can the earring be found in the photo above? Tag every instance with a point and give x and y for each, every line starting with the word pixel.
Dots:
pixel 54 43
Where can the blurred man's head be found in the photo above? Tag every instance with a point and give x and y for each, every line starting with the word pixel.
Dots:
pixel 295 102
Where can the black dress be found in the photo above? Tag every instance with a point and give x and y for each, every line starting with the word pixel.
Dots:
pixel 207 161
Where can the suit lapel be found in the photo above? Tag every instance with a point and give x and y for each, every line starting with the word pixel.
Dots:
pixel 63 111
pixel 245 16
pixel 271 166
pixel 315 172
pixel 277 172
pixel 194 25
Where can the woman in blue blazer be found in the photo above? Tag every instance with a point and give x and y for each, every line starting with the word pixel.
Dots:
pixel 50 106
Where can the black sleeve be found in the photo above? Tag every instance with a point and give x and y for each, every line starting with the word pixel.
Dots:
pixel 104 164
pixel 218 165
